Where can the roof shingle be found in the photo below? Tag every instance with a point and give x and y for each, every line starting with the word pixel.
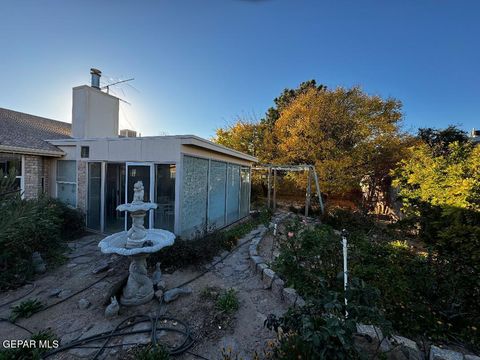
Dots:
pixel 27 131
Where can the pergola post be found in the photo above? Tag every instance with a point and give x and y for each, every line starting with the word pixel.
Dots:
pixel 269 187
pixel 308 194
pixel 274 189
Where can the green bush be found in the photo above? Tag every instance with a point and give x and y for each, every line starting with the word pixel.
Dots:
pixel 426 293
pixel 32 225
pixel 202 249
pixel 320 329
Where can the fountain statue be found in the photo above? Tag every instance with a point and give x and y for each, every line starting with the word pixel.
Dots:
pixel 137 243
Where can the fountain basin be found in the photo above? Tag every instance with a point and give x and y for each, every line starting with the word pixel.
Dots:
pixel 137 207
pixel 115 244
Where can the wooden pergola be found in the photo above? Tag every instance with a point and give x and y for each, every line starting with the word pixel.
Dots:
pixel 312 173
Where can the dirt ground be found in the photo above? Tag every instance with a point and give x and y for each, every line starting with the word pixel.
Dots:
pixel 243 332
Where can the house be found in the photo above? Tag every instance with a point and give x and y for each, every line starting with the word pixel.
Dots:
pixel 197 184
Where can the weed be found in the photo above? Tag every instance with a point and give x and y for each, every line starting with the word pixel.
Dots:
pixel 228 301
pixel 25 309
pixel 158 352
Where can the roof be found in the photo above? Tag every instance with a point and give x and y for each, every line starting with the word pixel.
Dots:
pixel 188 140
pixel 25 133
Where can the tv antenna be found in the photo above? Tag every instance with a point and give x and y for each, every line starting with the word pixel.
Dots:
pixel 115 83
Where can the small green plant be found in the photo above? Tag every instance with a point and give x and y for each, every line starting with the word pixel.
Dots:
pixel 25 309
pixel 158 352
pixel 228 301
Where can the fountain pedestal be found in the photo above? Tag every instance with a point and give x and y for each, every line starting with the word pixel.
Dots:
pixel 137 243
pixel 139 288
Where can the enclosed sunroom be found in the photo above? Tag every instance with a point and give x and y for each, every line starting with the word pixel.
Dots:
pixel 198 185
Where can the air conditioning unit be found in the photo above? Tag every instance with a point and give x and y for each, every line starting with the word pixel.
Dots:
pixel 128 133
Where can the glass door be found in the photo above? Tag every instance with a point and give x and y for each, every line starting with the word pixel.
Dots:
pixel 144 173
pixel 114 196
pixel 94 195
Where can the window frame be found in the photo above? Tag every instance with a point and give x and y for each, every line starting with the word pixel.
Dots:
pixel 67 182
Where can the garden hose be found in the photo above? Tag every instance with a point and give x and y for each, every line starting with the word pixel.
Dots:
pixel 188 339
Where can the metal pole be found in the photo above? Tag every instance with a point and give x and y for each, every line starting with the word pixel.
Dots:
pixel 345 267
pixel 309 190
pixel 274 189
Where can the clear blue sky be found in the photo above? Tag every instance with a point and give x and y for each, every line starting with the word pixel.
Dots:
pixel 198 64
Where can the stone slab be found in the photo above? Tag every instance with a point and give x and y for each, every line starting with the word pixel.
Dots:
pixel 277 287
pixel 289 296
pixel 437 353
pixel 268 277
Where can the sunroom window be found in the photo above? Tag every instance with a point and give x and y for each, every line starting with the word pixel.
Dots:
pixel 67 181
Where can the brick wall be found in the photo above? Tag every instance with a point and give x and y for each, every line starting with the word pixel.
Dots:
pixel 82 185
pixel 32 176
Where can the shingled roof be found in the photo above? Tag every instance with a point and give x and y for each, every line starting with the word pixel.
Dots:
pixel 25 133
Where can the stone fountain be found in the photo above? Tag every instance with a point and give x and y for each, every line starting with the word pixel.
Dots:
pixel 137 243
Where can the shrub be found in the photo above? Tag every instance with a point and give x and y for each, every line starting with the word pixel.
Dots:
pixel 202 249
pixel 320 330
pixel 432 293
pixel 32 225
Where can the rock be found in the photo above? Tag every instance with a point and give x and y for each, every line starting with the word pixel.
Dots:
pixel 472 357
pixel 65 293
pixel 173 294
pixel 83 304
pixel 54 292
pixel 159 294
pixel 289 296
pixel 253 250
pixel 268 277
pixel 277 287
pixel 405 348
pixel 300 302
pixel 375 334
pixel 437 353
pixel 71 265
pixel 261 267
pixel 38 264
pixel 103 266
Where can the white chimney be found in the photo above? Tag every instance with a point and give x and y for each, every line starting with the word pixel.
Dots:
pixel 94 112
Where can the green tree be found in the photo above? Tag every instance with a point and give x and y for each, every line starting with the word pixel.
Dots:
pixel 450 178
pixel 349 135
